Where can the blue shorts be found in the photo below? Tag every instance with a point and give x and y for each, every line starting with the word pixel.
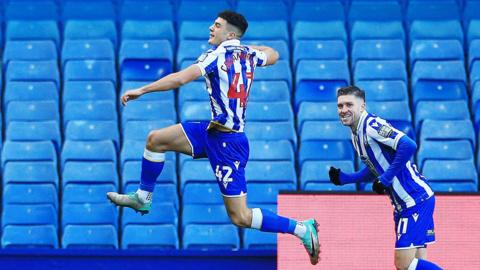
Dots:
pixel 227 153
pixel 414 226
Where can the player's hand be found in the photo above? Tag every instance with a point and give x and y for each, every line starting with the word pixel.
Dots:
pixel 334 175
pixel 131 95
pixel 378 187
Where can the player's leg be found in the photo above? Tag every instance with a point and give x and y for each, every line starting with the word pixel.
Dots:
pixel 405 260
pixel 421 253
pixel 267 221
pixel 172 138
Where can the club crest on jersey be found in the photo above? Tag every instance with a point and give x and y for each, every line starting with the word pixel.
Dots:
pixel 385 131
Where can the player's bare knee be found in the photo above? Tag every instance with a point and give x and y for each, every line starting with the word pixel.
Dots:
pixel 240 218
pixel 155 142
pixel 402 263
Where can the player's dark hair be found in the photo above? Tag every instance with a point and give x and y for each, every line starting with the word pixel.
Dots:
pixel 351 90
pixel 235 19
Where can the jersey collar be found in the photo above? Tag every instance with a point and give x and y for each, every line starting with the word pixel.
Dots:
pixel 231 42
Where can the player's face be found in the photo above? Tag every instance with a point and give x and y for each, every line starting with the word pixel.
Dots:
pixel 350 109
pixel 218 32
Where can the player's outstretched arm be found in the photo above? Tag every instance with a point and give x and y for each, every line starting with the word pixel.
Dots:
pixel 338 178
pixel 169 82
pixel 272 54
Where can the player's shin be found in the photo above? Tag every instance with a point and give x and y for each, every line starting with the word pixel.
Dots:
pixel 268 221
pixel 152 166
pixel 418 264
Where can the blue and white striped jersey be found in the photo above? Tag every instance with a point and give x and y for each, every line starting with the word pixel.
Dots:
pixel 375 141
pixel 228 71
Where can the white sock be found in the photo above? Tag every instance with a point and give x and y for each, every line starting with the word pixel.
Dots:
pixel 257 218
pixel 300 230
pixel 413 264
pixel 144 196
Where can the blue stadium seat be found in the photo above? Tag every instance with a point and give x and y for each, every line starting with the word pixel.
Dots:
pixel 28 172
pixel 475 97
pixel 196 171
pixel 311 111
pixel 439 89
pixel 90 70
pixel 94 10
pixel 89 91
pixel 454 187
pixel 89 110
pixel 89 214
pixel 317 11
pixel 148 110
pixel 30 10
pixel 89 236
pixel 444 150
pixel 450 171
pixel 378 11
pixel 447 130
pixel 271 172
pixel 32 111
pixel 271 150
pixel 451 30
pixel 138 130
pixel 211 237
pixel 432 11
pixel 151 30
pixel 324 130
pixel 391 111
pixel 469 12
pixel 473 53
pixel 34 131
pixel 436 50
pixel 86 193
pixel 323 77
pixel 100 151
pixel 164 237
pixel 264 91
pixel 327 30
pixel 319 50
pixel 475 74
pixel 206 10
pixel 195 111
pixel 131 172
pixel 377 30
pixel 376 49
pixel 255 239
pixel 154 96
pixel 38 71
pixel 28 151
pixel 384 90
pixel 441 110
pixel 327 186
pixel 90 29
pixel 35 50
pixel 163 193
pixel 94 49
pixel 30 91
pixel 202 193
pixel 29 214
pixel 89 173
pixel 267 30
pixel 30 194
pixel 266 193
pixel 33 30
pixel 279 72
pixel 473 31
pixel 254 13
pixel 269 112
pixel 429 72
pixel 271 131
pixel 317 171
pixel 281 46
pixel 325 150
pixel 380 70
pixel 211 214
pixel 93 131
pixel 145 60
pixel 39 236
pixel 146 10
pixel 191 30
pixel 161 213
